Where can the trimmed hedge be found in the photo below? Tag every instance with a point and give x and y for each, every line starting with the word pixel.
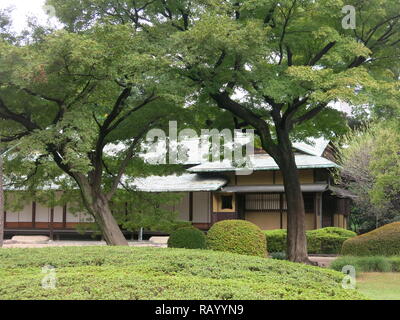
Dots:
pixel 335 231
pixel 237 236
pixel 129 273
pixel 189 238
pixel 368 264
pixel 276 240
pixel 327 240
pixel 320 241
pixel 383 241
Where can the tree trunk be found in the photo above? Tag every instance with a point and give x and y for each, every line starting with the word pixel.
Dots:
pixel 111 231
pixel 2 222
pixel 98 205
pixel 296 238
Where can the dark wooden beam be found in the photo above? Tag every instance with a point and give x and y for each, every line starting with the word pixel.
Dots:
pixel 64 218
pixel 52 223
pixel 281 208
pixel 191 206
pixel 33 214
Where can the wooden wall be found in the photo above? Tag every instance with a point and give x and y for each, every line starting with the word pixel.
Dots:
pixel 36 216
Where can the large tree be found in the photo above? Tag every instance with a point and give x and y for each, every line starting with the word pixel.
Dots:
pixel 274 65
pixel 66 96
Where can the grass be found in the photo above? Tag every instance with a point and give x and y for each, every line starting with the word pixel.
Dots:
pixel 379 286
pixel 368 264
pixel 155 273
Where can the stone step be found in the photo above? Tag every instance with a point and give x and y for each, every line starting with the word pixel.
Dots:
pixel 159 240
pixel 30 239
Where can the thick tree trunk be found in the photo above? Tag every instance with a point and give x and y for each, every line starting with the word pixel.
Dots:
pixel 2 222
pixel 111 231
pixel 98 205
pixel 296 239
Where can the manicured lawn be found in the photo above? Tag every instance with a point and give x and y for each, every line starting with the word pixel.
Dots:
pixel 379 286
pixel 155 273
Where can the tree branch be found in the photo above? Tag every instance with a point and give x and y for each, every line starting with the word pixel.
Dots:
pixel 320 54
pixel 225 102
pixel 125 161
pixel 310 114
pixel 7 114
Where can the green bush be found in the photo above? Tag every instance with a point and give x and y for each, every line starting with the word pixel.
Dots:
pixel 276 240
pixel 129 273
pixel 238 236
pixel 335 231
pixel 368 264
pixel 320 241
pixel 384 241
pixel 189 238
pixel 327 240
pixel 178 224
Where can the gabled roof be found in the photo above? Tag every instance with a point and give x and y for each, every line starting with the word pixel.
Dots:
pixel 264 162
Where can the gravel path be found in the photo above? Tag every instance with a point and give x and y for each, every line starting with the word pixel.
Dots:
pixel 323 261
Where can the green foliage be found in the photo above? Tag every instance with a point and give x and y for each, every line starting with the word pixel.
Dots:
pixel 276 240
pixel 272 53
pixel 370 165
pixel 384 241
pixel 238 236
pixel 325 241
pixel 135 210
pixel 189 238
pixel 335 231
pixel 368 264
pixel 129 273
pixel 77 97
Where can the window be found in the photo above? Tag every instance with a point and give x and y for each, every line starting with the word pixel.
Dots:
pixel 226 202
pixel 265 201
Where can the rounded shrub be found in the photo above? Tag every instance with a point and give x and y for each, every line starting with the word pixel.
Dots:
pixel 189 238
pixel 383 241
pixel 237 236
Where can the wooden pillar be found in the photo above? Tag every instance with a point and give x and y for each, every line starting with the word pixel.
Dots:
pixel 64 217
pixel 281 208
pixel 210 205
pixel 33 214
pixel 318 210
pixel 191 206
pixel 5 219
pixel 52 223
pixel 315 210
